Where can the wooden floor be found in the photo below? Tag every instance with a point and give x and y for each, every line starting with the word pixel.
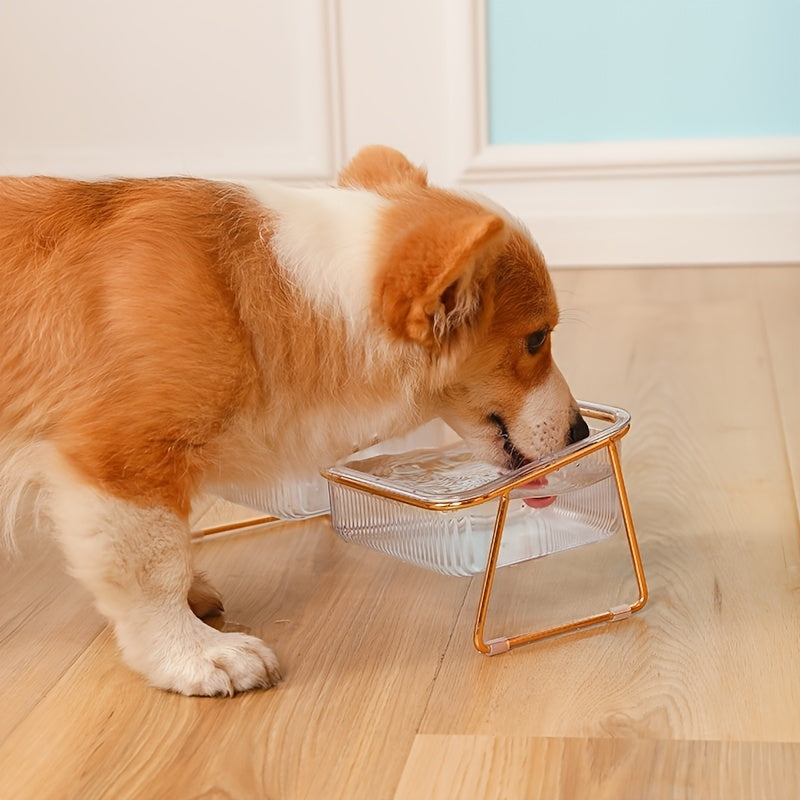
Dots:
pixel 697 696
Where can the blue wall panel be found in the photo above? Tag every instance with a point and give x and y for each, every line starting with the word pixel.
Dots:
pixel 618 70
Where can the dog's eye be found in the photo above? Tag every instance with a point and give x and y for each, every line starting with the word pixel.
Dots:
pixel 536 340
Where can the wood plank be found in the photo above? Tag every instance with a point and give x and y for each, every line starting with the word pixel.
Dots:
pixel 498 767
pixel 779 289
pixel 714 655
pixel 46 622
pixel 360 638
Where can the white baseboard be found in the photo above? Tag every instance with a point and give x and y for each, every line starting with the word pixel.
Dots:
pixel 661 240
pixel 650 203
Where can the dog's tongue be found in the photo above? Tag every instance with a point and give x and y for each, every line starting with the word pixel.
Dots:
pixel 537 502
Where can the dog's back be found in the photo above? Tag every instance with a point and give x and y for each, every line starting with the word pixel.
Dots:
pixel 117 327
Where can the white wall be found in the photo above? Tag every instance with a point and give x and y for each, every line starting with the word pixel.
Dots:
pixel 256 89
pixel 92 87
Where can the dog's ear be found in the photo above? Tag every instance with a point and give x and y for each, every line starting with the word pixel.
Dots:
pixel 434 284
pixel 381 169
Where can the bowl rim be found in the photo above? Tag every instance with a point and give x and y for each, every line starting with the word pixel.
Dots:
pixel 618 420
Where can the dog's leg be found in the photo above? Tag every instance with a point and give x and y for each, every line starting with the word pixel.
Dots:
pixel 204 599
pixel 136 561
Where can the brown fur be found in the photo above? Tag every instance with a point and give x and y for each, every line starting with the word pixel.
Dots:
pixel 152 336
pixel 121 340
pixel 499 371
pixel 381 169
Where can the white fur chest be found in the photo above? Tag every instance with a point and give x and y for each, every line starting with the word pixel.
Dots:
pixel 325 241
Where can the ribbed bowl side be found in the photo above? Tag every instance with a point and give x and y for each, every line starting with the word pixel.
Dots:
pixel 457 543
pixel 438 540
pixel 296 500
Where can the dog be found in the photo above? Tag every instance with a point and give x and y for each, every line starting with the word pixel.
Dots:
pixel 162 335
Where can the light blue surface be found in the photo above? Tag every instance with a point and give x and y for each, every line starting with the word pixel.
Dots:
pixel 618 70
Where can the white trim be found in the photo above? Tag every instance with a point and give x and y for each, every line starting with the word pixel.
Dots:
pixel 635 159
pixel 668 240
pixel 332 157
pixel 516 161
pixel 335 103
pixel 704 201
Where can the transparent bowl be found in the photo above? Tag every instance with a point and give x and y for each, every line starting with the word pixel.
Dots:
pixel 308 497
pixel 298 500
pixel 437 507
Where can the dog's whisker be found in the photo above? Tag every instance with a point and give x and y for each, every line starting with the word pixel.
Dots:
pixel 573 315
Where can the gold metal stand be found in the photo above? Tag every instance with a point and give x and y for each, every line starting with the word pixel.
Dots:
pixel 230 527
pixel 504 644
pixel 618 425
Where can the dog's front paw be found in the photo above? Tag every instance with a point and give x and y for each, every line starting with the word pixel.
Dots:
pixel 232 662
pixel 204 662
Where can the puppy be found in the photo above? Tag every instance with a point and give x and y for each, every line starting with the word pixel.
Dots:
pixel 160 336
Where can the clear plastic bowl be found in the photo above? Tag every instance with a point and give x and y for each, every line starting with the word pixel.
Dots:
pixel 298 500
pixel 403 504
pixel 304 498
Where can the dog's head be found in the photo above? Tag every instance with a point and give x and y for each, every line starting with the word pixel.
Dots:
pixel 463 280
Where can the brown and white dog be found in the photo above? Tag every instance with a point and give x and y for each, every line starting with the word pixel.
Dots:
pixel 158 336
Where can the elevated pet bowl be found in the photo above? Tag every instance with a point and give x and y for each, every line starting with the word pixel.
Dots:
pixel 444 510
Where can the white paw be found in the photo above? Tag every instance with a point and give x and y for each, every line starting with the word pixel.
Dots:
pixel 233 662
pixel 203 661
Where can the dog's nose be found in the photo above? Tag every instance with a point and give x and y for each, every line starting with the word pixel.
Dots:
pixel 578 430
